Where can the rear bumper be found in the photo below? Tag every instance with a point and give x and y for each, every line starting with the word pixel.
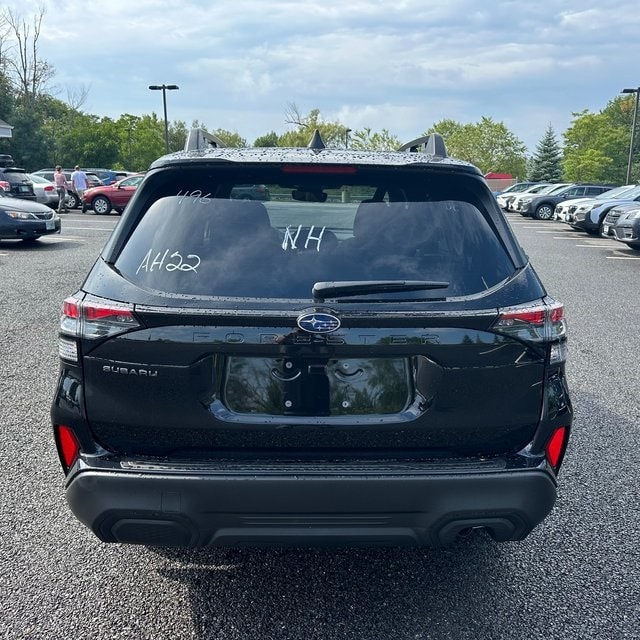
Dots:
pixel 198 509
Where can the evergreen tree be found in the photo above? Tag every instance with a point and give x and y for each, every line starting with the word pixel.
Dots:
pixel 546 163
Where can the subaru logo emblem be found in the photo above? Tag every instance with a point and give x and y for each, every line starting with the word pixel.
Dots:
pixel 318 322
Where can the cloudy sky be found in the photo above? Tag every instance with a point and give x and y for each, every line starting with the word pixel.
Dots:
pixel 395 64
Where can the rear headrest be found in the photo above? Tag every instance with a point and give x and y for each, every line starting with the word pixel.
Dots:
pixel 246 214
pixel 370 219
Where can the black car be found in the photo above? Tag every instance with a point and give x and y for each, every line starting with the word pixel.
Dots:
pixel 542 207
pixel 15 182
pixel 625 223
pixel 26 220
pixel 366 358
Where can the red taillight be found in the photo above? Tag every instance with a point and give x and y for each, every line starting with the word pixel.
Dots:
pixel 89 319
pixel 49 188
pixel 68 446
pixel 70 308
pixel 95 312
pixel 543 322
pixel 555 447
pixel 531 317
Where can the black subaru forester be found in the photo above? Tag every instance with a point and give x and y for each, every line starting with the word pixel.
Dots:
pixel 367 357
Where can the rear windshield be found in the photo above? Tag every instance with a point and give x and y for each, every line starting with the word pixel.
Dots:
pixel 234 234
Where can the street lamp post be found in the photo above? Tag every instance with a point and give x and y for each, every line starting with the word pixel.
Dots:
pixel 164 88
pixel 346 138
pixel 633 130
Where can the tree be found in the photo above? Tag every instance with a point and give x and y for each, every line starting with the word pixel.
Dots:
pixel 230 139
pixel 588 166
pixel 546 163
pixel 333 133
pixel 28 72
pixel 364 139
pixel 597 144
pixel 268 140
pixel 487 144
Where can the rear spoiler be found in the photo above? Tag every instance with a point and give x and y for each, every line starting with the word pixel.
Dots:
pixel 433 145
pixel 201 139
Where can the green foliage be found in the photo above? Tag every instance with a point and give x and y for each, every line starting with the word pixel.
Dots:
pixel 268 140
pixel 488 145
pixel 588 166
pixel 230 139
pixel 597 144
pixel 364 139
pixel 546 163
pixel 6 98
pixel 333 133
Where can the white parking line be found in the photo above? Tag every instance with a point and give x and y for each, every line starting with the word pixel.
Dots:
pixel 596 246
pixel 623 257
pixel 92 228
pixel 67 238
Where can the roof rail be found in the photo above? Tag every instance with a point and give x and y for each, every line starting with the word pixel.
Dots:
pixel 433 144
pixel 201 139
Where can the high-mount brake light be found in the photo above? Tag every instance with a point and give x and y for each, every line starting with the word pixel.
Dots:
pixel 68 445
pixel 319 168
pixel 556 446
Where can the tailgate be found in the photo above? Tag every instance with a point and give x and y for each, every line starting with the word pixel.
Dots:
pixel 263 389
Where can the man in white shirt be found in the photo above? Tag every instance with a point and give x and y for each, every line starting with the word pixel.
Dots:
pixel 79 182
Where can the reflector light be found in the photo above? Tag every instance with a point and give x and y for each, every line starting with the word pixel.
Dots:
pixel 555 446
pixel 68 446
pixel 68 349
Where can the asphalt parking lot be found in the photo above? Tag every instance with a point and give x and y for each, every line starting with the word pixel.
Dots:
pixel 576 577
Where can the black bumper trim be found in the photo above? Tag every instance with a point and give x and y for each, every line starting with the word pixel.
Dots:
pixel 196 510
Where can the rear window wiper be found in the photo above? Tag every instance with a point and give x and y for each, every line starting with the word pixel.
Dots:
pixel 346 288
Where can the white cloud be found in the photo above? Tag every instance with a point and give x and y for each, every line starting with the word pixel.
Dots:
pixel 400 65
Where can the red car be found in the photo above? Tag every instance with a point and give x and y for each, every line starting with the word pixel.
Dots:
pixel 114 196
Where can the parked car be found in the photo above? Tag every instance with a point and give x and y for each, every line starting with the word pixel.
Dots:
pixel 73 201
pixel 309 371
pixel 627 226
pixel 505 199
pixel 115 196
pixel 589 216
pixel 125 174
pixel 515 204
pixel 26 220
pixel 542 207
pixel 106 176
pixel 518 187
pixel 564 209
pixel 250 192
pixel 14 181
pixel 45 190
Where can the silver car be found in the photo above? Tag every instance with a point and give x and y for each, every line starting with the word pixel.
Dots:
pixel 45 190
